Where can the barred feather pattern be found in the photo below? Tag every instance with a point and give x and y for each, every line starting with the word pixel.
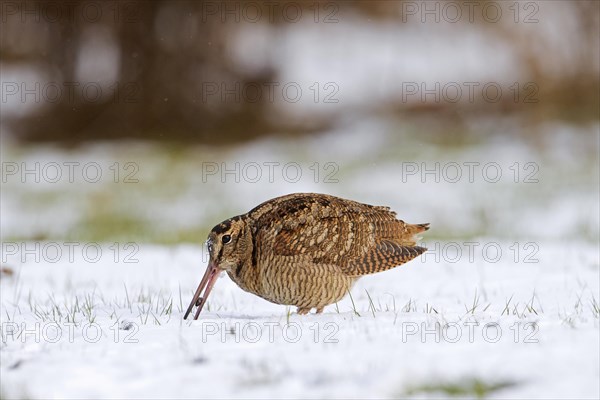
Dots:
pixel 308 249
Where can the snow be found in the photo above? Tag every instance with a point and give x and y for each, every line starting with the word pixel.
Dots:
pixel 247 347
pixel 507 295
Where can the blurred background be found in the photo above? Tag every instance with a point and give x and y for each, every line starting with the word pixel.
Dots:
pixel 193 111
pixel 130 128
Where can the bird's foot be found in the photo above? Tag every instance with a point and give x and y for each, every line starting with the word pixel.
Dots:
pixel 320 310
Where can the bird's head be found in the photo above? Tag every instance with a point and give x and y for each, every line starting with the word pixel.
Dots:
pixel 229 246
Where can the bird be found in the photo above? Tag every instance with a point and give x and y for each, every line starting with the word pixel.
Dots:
pixel 306 249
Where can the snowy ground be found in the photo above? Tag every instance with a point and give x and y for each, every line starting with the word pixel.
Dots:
pixel 505 304
pixel 532 327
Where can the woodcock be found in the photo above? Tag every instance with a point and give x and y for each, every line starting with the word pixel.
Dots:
pixel 306 249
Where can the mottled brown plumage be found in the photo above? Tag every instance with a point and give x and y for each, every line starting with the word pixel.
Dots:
pixel 306 249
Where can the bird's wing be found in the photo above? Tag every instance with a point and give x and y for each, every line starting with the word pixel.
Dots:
pixel 359 238
pixel 384 255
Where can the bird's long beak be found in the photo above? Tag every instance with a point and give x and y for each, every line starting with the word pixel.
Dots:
pixel 208 281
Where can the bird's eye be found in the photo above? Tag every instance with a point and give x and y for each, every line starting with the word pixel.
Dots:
pixel 226 239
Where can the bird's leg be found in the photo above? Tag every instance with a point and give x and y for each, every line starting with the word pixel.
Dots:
pixel 320 310
pixel 303 310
